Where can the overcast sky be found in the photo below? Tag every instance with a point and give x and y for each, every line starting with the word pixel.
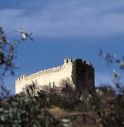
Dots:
pixel 64 28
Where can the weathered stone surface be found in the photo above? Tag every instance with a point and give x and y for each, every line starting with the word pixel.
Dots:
pixel 54 76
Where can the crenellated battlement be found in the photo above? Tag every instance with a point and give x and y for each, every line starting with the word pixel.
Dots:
pixel 40 73
pixel 67 62
pixel 49 76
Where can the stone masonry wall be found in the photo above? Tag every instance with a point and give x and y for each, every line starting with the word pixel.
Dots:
pixel 50 77
pixel 54 76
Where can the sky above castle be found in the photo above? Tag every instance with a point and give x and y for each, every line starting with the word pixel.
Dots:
pixel 64 28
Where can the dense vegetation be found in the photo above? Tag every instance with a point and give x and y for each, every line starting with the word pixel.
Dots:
pixel 32 108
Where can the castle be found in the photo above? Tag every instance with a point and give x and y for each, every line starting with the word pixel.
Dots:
pixel 53 76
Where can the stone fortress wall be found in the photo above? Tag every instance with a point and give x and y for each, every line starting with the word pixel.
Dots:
pixel 51 77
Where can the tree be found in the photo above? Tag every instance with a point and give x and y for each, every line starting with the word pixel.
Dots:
pixel 7 54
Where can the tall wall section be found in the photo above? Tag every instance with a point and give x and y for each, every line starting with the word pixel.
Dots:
pixel 54 76
pixel 51 77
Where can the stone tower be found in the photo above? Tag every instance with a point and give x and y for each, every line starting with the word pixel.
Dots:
pixel 53 76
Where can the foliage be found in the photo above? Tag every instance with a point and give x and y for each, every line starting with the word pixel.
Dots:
pixel 7 53
pixel 109 101
pixel 25 110
pixel 104 108
pixel 4 93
